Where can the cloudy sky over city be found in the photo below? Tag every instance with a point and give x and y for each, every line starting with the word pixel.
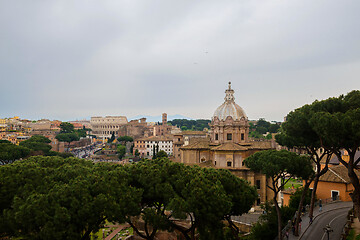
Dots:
pixel 71 60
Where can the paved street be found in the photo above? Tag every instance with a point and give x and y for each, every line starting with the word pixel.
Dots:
pixel 333 214
pixel 336 219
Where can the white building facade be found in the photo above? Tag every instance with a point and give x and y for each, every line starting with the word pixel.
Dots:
pixel 146 146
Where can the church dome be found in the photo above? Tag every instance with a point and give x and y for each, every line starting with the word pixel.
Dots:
pixel 229 107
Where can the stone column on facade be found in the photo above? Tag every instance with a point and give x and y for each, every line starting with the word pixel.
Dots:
pixel 251 178
pixel 221 134
pixel 234 161
pixel 237 138
pixel 263 187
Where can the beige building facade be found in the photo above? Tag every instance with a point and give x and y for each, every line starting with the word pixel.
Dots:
pixel 104 127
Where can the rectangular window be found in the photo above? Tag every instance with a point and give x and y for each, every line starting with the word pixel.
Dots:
pixel 216 136
pixel 229 136
pixel 242 136
pixel 229 164
pixel 258 184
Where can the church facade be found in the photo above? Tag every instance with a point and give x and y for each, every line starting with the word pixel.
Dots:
pixel 229 145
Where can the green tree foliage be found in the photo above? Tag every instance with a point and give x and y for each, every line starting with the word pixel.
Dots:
pixel 185 191
pixel 39 138
pixel 274 128
pixel 295 199
pixel 69 134
pixel 10 152
pixel 66 127
pixel 263 123
pixel 64 154
pixel 194 125
pixel 56 198
pixel 160 154
pixel 39 145
pixel 269 136
pixel 121 150
pixel 261 130
pixel 137 153
pixel 298 132
pixel 280 167
pixel 255 134
pixel 83 132
pixel 337 123
pixel 261 127
pixel 266 227
pixel 112 138
pixel 67 137
pixel 125 139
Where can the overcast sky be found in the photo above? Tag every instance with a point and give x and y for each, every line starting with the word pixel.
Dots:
pixel 70 60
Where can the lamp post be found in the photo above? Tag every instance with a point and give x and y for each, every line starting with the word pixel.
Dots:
pixel 328 230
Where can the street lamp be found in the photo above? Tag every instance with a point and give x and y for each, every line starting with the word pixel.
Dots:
pixel 328 230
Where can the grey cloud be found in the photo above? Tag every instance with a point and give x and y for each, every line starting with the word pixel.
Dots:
pixel 73 59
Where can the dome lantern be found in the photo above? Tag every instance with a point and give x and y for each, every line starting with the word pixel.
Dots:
pixel 229 107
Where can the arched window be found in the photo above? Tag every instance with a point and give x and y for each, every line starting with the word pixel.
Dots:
pixel 229 164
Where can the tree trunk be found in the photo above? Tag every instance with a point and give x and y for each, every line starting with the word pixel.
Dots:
pixel 313 196
pixel 355 196
pixel 233 227
pixel 136 230
pixel 86 235
pixel 278 212
pixel 356 201
pixel 184 232
pixel 298 215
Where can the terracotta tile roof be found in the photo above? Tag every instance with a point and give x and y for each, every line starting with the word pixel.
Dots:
pixel 335 161
pixel 178 143
pixel 260 145
pixel 337 174
pixel 155 138
pixel 229 146
pixel 193 133
pixel 197 145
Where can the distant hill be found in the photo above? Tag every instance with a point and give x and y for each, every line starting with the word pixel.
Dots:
pixel 159 118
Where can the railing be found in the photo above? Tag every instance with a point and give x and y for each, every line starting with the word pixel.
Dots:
pixel 347 226
pixel 288 226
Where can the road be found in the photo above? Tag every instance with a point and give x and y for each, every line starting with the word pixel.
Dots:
pixel 336 219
